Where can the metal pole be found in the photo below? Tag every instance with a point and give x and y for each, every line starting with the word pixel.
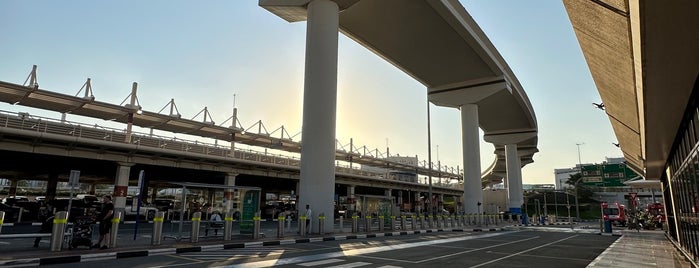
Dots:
pixel 577 206
pixel 157 228
pixel 228 225
pixel 113 234
pixel 196 221
pixel 546 213
pixel 555 201
pixel 280 227
pixel 59 226
pixel 256 225
pixel 429 157
pixel 321 223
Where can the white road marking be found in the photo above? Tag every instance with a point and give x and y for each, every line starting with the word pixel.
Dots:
pixel 359 251
pixel 321 262
pixel 518 253
pixel 351 265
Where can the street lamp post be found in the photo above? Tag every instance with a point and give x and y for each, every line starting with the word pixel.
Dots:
pixel 577 206
pixel 555 202
pixel 546 213
pixel 537 211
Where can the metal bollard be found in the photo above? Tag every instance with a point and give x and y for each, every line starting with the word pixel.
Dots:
pixel 157 228
pixel 393 223
pixel 280 226
pixel 403 223
pixel 302 226
pixel 381 223
pixel 58 232
pixel 288 224
pixel 114 233
pixel 355 225
pixel 321 223
pixel 256 226
pixel 2 220
pixel 342 218
pixel 413 222
pixel 196 222
pixel 228 226
pixel 21 211
pixel 367 223
pixel 422 222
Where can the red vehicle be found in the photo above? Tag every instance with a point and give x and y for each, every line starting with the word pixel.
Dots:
pixel 614 212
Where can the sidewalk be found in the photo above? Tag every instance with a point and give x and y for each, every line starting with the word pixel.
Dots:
pixel 647 248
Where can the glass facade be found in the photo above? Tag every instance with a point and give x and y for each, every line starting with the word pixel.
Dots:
pixel 681 182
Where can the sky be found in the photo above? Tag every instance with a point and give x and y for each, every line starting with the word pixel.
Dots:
pixel 222 54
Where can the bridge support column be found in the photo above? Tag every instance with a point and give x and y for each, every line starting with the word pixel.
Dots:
pixel 515 194
pixel 513 154
pixel 319 110
pixel 51 186
pixel 121 186
pixel 230 181
pixel 13 187
pixel 473 193
pixel 418 203
pixel 350 199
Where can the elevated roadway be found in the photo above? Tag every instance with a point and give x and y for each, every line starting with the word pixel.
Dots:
pixel 438 44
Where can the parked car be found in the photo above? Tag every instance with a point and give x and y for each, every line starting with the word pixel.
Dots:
pixel 78 207
pixel 11 200
pixel 11 213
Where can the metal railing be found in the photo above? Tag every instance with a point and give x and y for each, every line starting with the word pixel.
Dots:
pixel 24 121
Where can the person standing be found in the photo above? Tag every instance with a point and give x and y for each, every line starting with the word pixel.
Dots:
pixel 308 219
pixel 105 219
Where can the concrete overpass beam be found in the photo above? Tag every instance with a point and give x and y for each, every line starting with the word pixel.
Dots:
pixel 317 184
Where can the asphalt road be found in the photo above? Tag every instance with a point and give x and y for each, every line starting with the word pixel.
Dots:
pixel 491 249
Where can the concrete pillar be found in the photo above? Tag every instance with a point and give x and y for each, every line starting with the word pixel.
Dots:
pixel 319 110
pixel 51 186
pixel 121 186
pixel 417 203
pixel 350 198
pixel 440 205
pixel 473 193
pixel 153 194
pixel 515 195
pixel 228 196
pixel 13 187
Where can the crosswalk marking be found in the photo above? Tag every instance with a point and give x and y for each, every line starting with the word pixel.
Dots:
pixel 321 262
pixel 351 265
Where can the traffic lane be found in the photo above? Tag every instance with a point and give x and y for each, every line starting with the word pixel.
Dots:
pixel 524 249
pixel 224 257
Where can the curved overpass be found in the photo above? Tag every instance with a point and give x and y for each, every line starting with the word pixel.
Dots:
pixel 442 47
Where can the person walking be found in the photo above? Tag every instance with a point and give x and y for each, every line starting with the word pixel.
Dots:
pixel 105 219
pixel 308 218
